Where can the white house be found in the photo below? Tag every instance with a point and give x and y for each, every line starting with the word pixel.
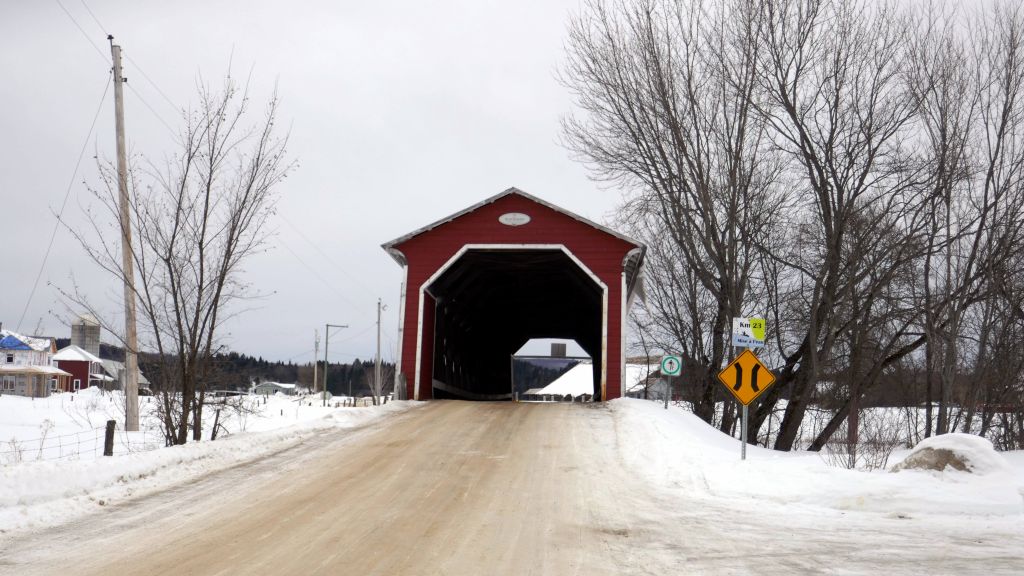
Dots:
pixel 26 366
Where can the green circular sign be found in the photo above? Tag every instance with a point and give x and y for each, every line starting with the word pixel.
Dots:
pixel 671 365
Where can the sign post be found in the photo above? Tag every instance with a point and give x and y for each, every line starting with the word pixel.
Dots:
pixel 744 418
pixel 670 366
pixel 746 378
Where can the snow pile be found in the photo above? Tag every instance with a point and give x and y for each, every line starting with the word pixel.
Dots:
pixel 954 452
pixel 579 380
pixel 42 493
pixel 678 452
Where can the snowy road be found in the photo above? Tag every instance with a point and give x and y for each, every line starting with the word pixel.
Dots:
pixel 478 488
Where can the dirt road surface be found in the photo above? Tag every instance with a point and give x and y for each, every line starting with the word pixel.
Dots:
pixel 457 488
pixel 451 488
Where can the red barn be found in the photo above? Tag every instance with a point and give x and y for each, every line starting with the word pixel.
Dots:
pixel 482 282
pixel 85 368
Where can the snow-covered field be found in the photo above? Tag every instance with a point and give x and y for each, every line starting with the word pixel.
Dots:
pixel 52 468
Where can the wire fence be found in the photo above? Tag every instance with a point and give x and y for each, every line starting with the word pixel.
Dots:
pixel 82 445
pixel 50 442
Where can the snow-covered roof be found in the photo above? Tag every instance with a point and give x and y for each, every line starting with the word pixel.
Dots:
pixel 14 341
pixel 75 354
pixel 278 385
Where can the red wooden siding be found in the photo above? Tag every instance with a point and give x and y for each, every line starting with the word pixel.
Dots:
pixel 425 253
pixel 79 369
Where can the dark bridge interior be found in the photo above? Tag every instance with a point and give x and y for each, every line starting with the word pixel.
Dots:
pixel 491 302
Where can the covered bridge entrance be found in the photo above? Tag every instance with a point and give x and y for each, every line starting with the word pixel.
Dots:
pixel 482 282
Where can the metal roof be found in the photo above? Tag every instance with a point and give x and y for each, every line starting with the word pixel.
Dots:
pixel 112 367
pixel 13 341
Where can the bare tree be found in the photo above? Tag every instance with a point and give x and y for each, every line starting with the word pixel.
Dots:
pixel 668 91
pixel 639 323
pixel 965 74
pixel 829 72
pixel 196 218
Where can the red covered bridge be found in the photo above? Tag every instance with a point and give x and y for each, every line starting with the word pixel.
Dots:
pixel 482 282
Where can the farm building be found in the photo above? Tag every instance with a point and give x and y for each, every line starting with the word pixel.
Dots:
pixel 85 368
pixel 271 388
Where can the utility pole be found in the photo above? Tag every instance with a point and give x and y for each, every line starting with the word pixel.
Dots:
pixel 398 391
pixel 327 343
pixel 378 389
pixel 316 356
pixel 131 360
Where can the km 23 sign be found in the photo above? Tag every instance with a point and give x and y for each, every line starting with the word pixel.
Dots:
pixel 746 377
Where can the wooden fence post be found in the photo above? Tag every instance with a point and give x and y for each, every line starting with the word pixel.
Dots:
pixel 108 441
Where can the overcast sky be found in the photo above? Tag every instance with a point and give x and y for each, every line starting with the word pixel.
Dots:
pixel 400 113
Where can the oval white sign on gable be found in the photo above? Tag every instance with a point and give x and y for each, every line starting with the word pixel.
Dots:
pixel 514 219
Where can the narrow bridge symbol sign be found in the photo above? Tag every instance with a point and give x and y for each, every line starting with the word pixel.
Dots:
pixel 746 377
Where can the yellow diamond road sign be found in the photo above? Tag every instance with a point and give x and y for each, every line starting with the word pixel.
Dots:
pixel 746 377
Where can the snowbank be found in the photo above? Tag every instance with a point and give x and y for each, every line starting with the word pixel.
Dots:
pixel 37 494
pixel 677 451
pixel 954 452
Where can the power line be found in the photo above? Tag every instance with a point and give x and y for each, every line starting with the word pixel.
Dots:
pixel 67 193
pixel 348 339
pixel 151 109
pixel 84 33
pixel 299 355
pixel 317 275
pixel 94 19
pixel 308 352
pixel 154 84
pixel 129 58
pixel 107 60
pixel 326 257
pixel 356 335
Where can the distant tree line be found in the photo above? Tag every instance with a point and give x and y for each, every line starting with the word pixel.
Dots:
pixel 235 371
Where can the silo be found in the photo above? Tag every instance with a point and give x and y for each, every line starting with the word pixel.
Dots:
pixel 85 333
